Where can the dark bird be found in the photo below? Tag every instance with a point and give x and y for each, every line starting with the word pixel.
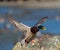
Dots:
pixel 29 32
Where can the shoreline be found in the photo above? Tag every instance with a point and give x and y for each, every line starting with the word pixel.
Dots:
pixel 31 4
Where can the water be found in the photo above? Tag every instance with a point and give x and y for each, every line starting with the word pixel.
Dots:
pixel 30 19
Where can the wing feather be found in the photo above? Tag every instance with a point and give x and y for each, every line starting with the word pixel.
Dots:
pixel 41 21
pixel 22 27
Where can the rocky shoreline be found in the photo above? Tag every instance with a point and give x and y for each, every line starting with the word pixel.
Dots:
pixel 52 43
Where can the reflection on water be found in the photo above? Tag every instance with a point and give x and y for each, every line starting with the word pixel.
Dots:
pixel 30 18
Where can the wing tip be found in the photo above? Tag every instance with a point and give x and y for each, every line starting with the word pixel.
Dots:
pixel 45 17
pixel 9 17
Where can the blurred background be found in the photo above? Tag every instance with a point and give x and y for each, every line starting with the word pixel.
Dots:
pixel 27 12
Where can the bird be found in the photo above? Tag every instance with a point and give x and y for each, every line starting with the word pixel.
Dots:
pixel 29 32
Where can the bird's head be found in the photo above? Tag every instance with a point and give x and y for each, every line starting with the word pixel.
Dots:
pixel 36 29
pixel 41 27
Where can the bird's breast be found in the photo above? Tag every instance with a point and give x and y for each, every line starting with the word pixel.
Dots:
pixel 29 38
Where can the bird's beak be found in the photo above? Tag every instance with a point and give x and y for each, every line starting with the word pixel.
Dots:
pixel 43 28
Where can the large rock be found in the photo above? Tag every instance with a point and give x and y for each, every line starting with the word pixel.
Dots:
pixel 46 43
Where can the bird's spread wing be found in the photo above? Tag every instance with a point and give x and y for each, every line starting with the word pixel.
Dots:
pixel 22 27
pixel 41 21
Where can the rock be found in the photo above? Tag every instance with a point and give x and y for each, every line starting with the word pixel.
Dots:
pixel 47 43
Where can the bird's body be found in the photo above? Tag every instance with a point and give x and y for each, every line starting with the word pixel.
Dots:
pixel 29 32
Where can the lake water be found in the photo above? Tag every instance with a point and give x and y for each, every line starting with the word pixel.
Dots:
pixel 30 18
